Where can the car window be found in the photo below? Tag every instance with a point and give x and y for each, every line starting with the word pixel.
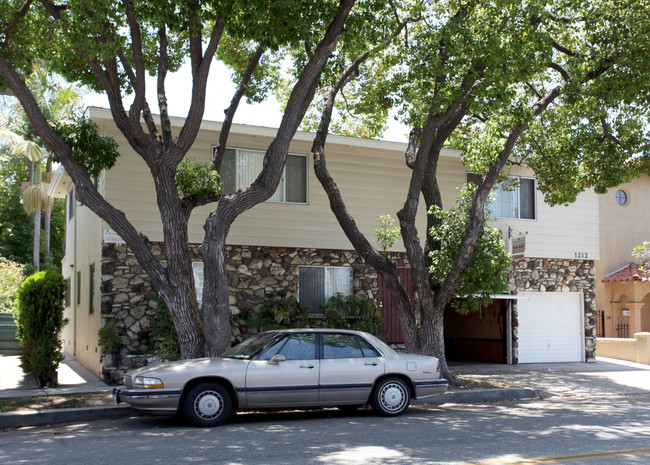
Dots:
pixel 346 346
pixel 293 347
pixel 250 347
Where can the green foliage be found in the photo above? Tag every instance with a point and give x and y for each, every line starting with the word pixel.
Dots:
pixel 486 273
pixel 89 147
pixel 16 226
pixel 11 277
pixel 352 312
pixel 164 333
pixel 280 313
pixel 39 317
pixel 387 233
pixel 109 338
pixel 197 179
pixel 641 254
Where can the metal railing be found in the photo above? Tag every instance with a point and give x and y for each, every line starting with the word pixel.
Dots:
pixel 623 330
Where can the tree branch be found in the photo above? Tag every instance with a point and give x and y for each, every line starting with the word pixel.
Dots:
pixel 163 64
pixel 14 23
pixel 253 62
pixel 200 72
pixel 565 75
pixel 84 186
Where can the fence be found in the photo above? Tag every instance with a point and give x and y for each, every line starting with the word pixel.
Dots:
pixel 623 330
pixel 8 342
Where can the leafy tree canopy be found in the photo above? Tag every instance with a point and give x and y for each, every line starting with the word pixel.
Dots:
pixel 485 275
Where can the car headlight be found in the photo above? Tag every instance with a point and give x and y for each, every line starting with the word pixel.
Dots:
pixel 144 382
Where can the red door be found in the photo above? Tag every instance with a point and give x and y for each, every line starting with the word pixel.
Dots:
pixel 392 329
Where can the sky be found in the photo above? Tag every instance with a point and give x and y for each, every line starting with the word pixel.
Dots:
pixel 219 93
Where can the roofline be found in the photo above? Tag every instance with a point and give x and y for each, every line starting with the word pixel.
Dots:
pixel 306 136
pixel 614 272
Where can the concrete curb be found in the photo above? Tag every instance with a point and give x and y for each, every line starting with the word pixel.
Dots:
pixel 52 416
pixel 481 395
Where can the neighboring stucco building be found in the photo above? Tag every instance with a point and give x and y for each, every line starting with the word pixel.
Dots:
pixel 294 245
pixel 622 293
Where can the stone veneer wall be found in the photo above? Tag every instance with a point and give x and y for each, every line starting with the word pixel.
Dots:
pixel 257 273
pixel 555 275
pixel 254 275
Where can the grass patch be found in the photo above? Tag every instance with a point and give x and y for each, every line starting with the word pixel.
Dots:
pixel 93 399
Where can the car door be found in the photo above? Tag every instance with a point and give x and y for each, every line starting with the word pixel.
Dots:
pixel 285 374
pixel 349 367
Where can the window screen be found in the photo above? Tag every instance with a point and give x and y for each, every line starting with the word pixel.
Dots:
pixel 240 168
pixel 319 283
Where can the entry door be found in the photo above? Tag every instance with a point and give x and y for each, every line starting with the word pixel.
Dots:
pixel 288 383
pixel 392 328
pixel 550 327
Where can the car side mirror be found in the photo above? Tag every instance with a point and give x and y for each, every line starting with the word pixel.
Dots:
pixel 276 359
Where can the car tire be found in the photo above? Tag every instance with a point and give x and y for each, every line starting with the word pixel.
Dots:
pixel 391 397
pixel 207 404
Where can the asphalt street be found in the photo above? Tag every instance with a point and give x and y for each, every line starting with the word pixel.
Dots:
pixel 610 430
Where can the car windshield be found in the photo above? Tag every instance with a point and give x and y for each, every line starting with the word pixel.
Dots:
pixel 250 347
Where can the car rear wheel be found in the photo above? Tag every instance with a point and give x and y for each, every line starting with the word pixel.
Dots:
pixel 391 397
pixel 207 404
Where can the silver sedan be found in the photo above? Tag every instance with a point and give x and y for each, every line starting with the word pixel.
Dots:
pixel 286 369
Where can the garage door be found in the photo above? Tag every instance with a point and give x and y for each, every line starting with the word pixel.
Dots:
pixel 550 327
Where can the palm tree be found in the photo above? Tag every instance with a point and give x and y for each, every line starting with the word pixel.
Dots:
pixel 60 104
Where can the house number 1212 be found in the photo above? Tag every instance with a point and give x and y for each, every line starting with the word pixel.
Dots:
pixel 582 255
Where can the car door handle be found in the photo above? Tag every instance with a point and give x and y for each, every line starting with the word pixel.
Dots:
pixel 371 364
pixel 306 366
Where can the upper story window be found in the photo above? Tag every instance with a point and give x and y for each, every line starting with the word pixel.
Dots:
pixel 71 203
pixel 621 197
pixel 514 200
pixel 240 167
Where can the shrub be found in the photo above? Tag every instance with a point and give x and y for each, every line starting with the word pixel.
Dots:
pixel 281 313
pixel 109 338
pixel 352 312
pixel 39 317
pixel 166 346
pixel 11 277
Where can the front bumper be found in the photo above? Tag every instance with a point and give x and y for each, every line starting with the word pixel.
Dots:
pixel 155 400
pixel 430 388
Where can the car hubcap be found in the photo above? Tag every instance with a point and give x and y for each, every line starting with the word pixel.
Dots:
pixel 208 404
pixel 393 396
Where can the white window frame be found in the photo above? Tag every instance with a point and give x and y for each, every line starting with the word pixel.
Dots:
pixel 515 192
pixel 330 287
pixel 283 183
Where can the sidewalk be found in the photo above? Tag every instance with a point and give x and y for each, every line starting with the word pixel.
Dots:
pixel 73 378
pixel 602 378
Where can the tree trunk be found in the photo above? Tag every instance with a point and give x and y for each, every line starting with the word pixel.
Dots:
pixel 37 240
pixel 47 226
pixel 216 307
pixel 179 289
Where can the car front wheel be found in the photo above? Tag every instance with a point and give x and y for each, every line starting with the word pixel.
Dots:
pixel 207 404
pixel 391 397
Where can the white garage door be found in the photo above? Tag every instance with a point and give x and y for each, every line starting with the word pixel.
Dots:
pixel 550 327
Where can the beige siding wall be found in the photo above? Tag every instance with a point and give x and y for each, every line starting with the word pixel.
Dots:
pixel 373 179
pixel 566 232
pixel 83 248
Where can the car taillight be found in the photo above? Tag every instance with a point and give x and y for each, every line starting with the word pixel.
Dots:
pixel 438 369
